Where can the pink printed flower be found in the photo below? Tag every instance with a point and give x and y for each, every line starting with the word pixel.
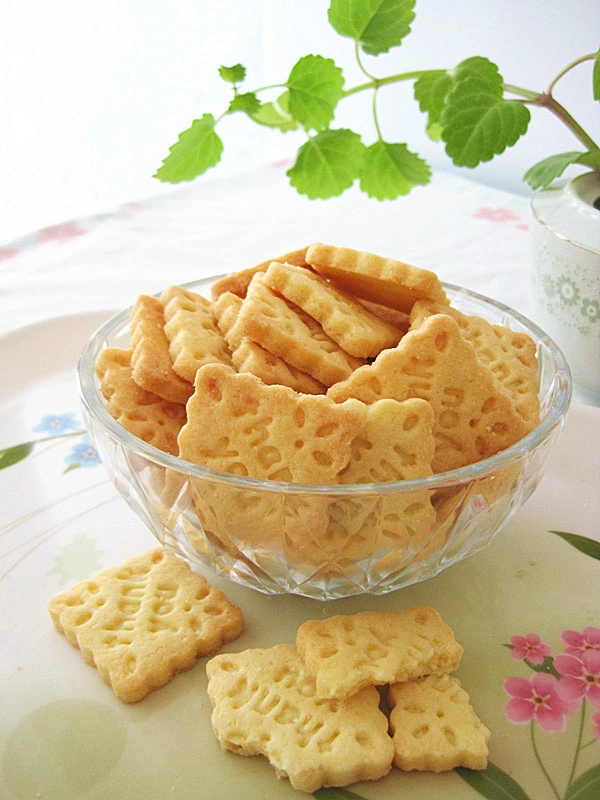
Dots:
pixel 577 643
pixel 596 724
pixel 496 214
pixel 63 232
pixel 529 648
pixel 537 700
pixel 581 676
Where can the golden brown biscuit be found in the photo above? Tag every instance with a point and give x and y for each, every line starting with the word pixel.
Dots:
pixel 375 278
pixel 194 338
pixel 347 652
pixel 434 726
pixel 152 367
pixel 264 703
pixel 474 417
pixel 144 414
pixel 290 334
pixel 510 355
pixel 344 319
pixel 239 425
pixel 142 622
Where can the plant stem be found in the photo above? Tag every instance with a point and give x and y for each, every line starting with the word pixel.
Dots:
pixel 540 762
pixel 546 100
pixel 375 83
pixel 569 67
pixel 579 740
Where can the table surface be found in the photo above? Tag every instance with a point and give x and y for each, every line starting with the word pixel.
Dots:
pixel 469 234
pixel 62 732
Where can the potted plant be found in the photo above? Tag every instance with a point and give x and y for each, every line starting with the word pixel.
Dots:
pixel 472 112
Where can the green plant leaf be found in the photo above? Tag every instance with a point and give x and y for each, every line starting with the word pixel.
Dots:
pixel 327 164
pixel 276 114
pixel 391 170
pixel 247 102
pixel 430 92
pixel 590 547
pixel 198 149
pixel 12 455
pixel 596 77
pixel 492 783
pixel 377 25
pixel 586 787
pixel 235 74
pixel 336 794
pixel 477 122
pixel 545 171
pixel 315 86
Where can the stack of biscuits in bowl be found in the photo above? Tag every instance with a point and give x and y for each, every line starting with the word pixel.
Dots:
pixel 312 403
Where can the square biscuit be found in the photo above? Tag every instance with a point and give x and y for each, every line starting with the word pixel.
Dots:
pixel 510 355
pixel 264 703
pixel 272 370
pixel 142 622
pixel 434 726
pixel 239 425
pixel 152 366
pixel 237 282
pixel 352 326
pixel 347 652
pixel 194 337
pixel 289 333
pixel 378 279
pixel 142 413
pixel 474 416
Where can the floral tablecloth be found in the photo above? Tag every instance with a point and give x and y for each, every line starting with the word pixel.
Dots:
pixel 526 609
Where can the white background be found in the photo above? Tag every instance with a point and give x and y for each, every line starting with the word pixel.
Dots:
pixel 93 93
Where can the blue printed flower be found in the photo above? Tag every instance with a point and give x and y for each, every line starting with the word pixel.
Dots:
pixel 57 424
pixel 83 454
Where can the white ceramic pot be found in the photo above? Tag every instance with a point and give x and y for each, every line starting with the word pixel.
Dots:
pixel 566 275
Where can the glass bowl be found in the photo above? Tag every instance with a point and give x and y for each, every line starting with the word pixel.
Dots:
pixel 320 541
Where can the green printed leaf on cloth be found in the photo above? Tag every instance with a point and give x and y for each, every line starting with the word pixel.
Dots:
pixel 590 547
pixel 378 25
pixel 492 783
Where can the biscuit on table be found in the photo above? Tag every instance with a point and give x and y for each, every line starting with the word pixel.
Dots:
pixel 264 703
pixel 510 355
pixel 474 416
pixel 150 357
pixel 194 338
pixel 347 652
pixel 352 326
pixel 434 726
pixel 142 413
pixel 144 621
pixel 378 279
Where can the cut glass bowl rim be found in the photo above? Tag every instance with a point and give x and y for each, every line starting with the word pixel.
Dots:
pixel 91 397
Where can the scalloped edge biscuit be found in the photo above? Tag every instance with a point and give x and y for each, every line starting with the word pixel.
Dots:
pixel 347 652
pixel 145 620
pixel 382 280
